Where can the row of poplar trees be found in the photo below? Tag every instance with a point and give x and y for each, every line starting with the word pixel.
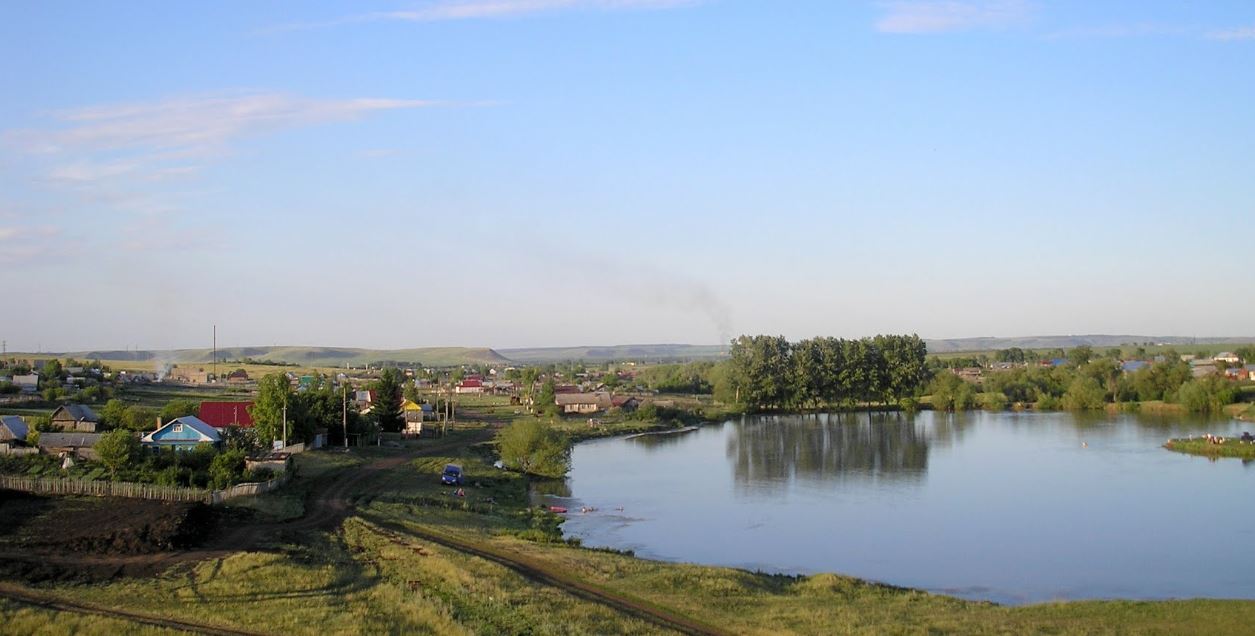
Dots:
pixel 769 372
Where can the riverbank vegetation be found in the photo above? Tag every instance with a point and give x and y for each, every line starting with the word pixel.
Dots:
pixel 1212 447
pixel 770 373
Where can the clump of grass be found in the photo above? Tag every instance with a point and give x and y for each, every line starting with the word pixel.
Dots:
pixel 1201 446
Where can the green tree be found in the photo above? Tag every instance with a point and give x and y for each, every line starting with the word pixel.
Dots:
pixel 226 468
pixel 534 447
pixel 50 374
pixel 1206 395
pixel 951 393
pixel 116 449
pixel 763 371
pixel 545 399
pixel 139 419
pixel 178 408
pixel 386 408
pixel 273 393
pixel 1079 356
pixel 1084 394
pixel 113 413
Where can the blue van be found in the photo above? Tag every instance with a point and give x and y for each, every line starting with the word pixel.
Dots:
pixel 452 475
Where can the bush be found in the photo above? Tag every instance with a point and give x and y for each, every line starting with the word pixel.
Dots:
pixel 1084 394
pixel 1206 395
pixel 226 468
pixel 535 448
pixel 993 401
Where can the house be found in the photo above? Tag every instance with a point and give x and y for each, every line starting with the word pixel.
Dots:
pixel 189 376
pixel 414 415
pixel 625 402
pixel 1202 370
pixel 77 445
pixel 182 433
pixel 12 429
pixel 470 385
pixel 1228 357
pixel 1133 366
pixel 1235 373
pixel 971 374
pixel 222 415
pixel 27 383
pixel 1250 372
pixel 582 403
pixel 238 376
pixel 363 398
pixel 75 417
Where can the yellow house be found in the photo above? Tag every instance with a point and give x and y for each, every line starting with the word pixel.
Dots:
pixel 413 413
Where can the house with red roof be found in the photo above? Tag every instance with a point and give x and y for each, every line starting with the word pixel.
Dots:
pixel 470 385
pixel 221 415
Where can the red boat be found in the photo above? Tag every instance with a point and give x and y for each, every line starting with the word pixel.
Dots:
pixel 558 509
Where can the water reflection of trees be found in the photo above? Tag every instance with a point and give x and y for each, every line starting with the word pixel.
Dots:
pixel 828 448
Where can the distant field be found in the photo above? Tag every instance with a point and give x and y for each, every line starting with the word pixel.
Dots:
pixel 332 357
pixel 307 358
pixel 661 352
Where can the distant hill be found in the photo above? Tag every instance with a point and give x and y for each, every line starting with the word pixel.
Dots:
pixel 955 345
pixel 311 356
pixel 453 356
pixel 642 353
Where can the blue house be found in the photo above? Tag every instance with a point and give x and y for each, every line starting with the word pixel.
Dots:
pixel 1133 366
pixel 182 433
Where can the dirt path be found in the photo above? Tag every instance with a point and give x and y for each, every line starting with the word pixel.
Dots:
pixel 61 605
pixel 325 509
pixel 547 575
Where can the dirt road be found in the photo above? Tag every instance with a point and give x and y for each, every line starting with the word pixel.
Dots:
pixel 325 509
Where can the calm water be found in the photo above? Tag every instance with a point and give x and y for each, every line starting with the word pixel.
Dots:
pixel 1007 507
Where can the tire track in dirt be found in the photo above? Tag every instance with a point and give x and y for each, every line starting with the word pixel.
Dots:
pixel 61 605
pixel 325 509
pixel 633 607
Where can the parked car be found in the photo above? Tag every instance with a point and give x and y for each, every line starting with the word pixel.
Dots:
pixel 452 475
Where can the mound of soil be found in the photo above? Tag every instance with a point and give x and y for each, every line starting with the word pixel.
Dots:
pixel 101 526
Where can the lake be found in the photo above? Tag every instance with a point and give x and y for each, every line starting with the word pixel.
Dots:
pixel 1008 507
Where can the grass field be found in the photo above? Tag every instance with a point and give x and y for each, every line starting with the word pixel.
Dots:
pixel 389 568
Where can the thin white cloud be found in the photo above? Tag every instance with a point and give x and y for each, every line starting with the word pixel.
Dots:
pixel 22 243
pixel 944 16
pixel 443 10
pixel 1240 33
pixel 113 155
pixel 193 125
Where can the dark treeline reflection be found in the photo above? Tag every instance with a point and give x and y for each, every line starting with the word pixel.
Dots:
pixel 770 451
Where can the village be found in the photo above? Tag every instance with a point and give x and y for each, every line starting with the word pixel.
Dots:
pixel 63 410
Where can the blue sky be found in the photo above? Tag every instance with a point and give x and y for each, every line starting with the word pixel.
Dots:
pixel 561 172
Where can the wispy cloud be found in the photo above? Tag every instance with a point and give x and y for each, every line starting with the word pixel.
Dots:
pixel 20 243
pixel 943 16
pixel 1240 33
pixel 178 127
pixel 115 154
pixel 443 10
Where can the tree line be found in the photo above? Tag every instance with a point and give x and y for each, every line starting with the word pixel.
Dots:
pixel 769 372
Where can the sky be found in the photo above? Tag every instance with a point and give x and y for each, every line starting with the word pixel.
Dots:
pixel 515 173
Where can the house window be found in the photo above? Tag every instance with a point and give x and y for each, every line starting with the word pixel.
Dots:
pixel 178 428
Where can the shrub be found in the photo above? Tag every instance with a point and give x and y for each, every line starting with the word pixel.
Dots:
pixel 993 401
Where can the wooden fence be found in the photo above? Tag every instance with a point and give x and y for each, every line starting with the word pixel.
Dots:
pixel 130 490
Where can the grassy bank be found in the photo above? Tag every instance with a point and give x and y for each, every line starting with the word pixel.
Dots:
pixel 1200 446
pixel 389 568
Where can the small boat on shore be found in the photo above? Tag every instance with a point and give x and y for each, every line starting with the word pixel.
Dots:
pixel 557 509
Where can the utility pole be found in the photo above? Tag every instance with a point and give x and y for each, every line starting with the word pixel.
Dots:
pixel 344 415
pixel 285 422
pixel 215 361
